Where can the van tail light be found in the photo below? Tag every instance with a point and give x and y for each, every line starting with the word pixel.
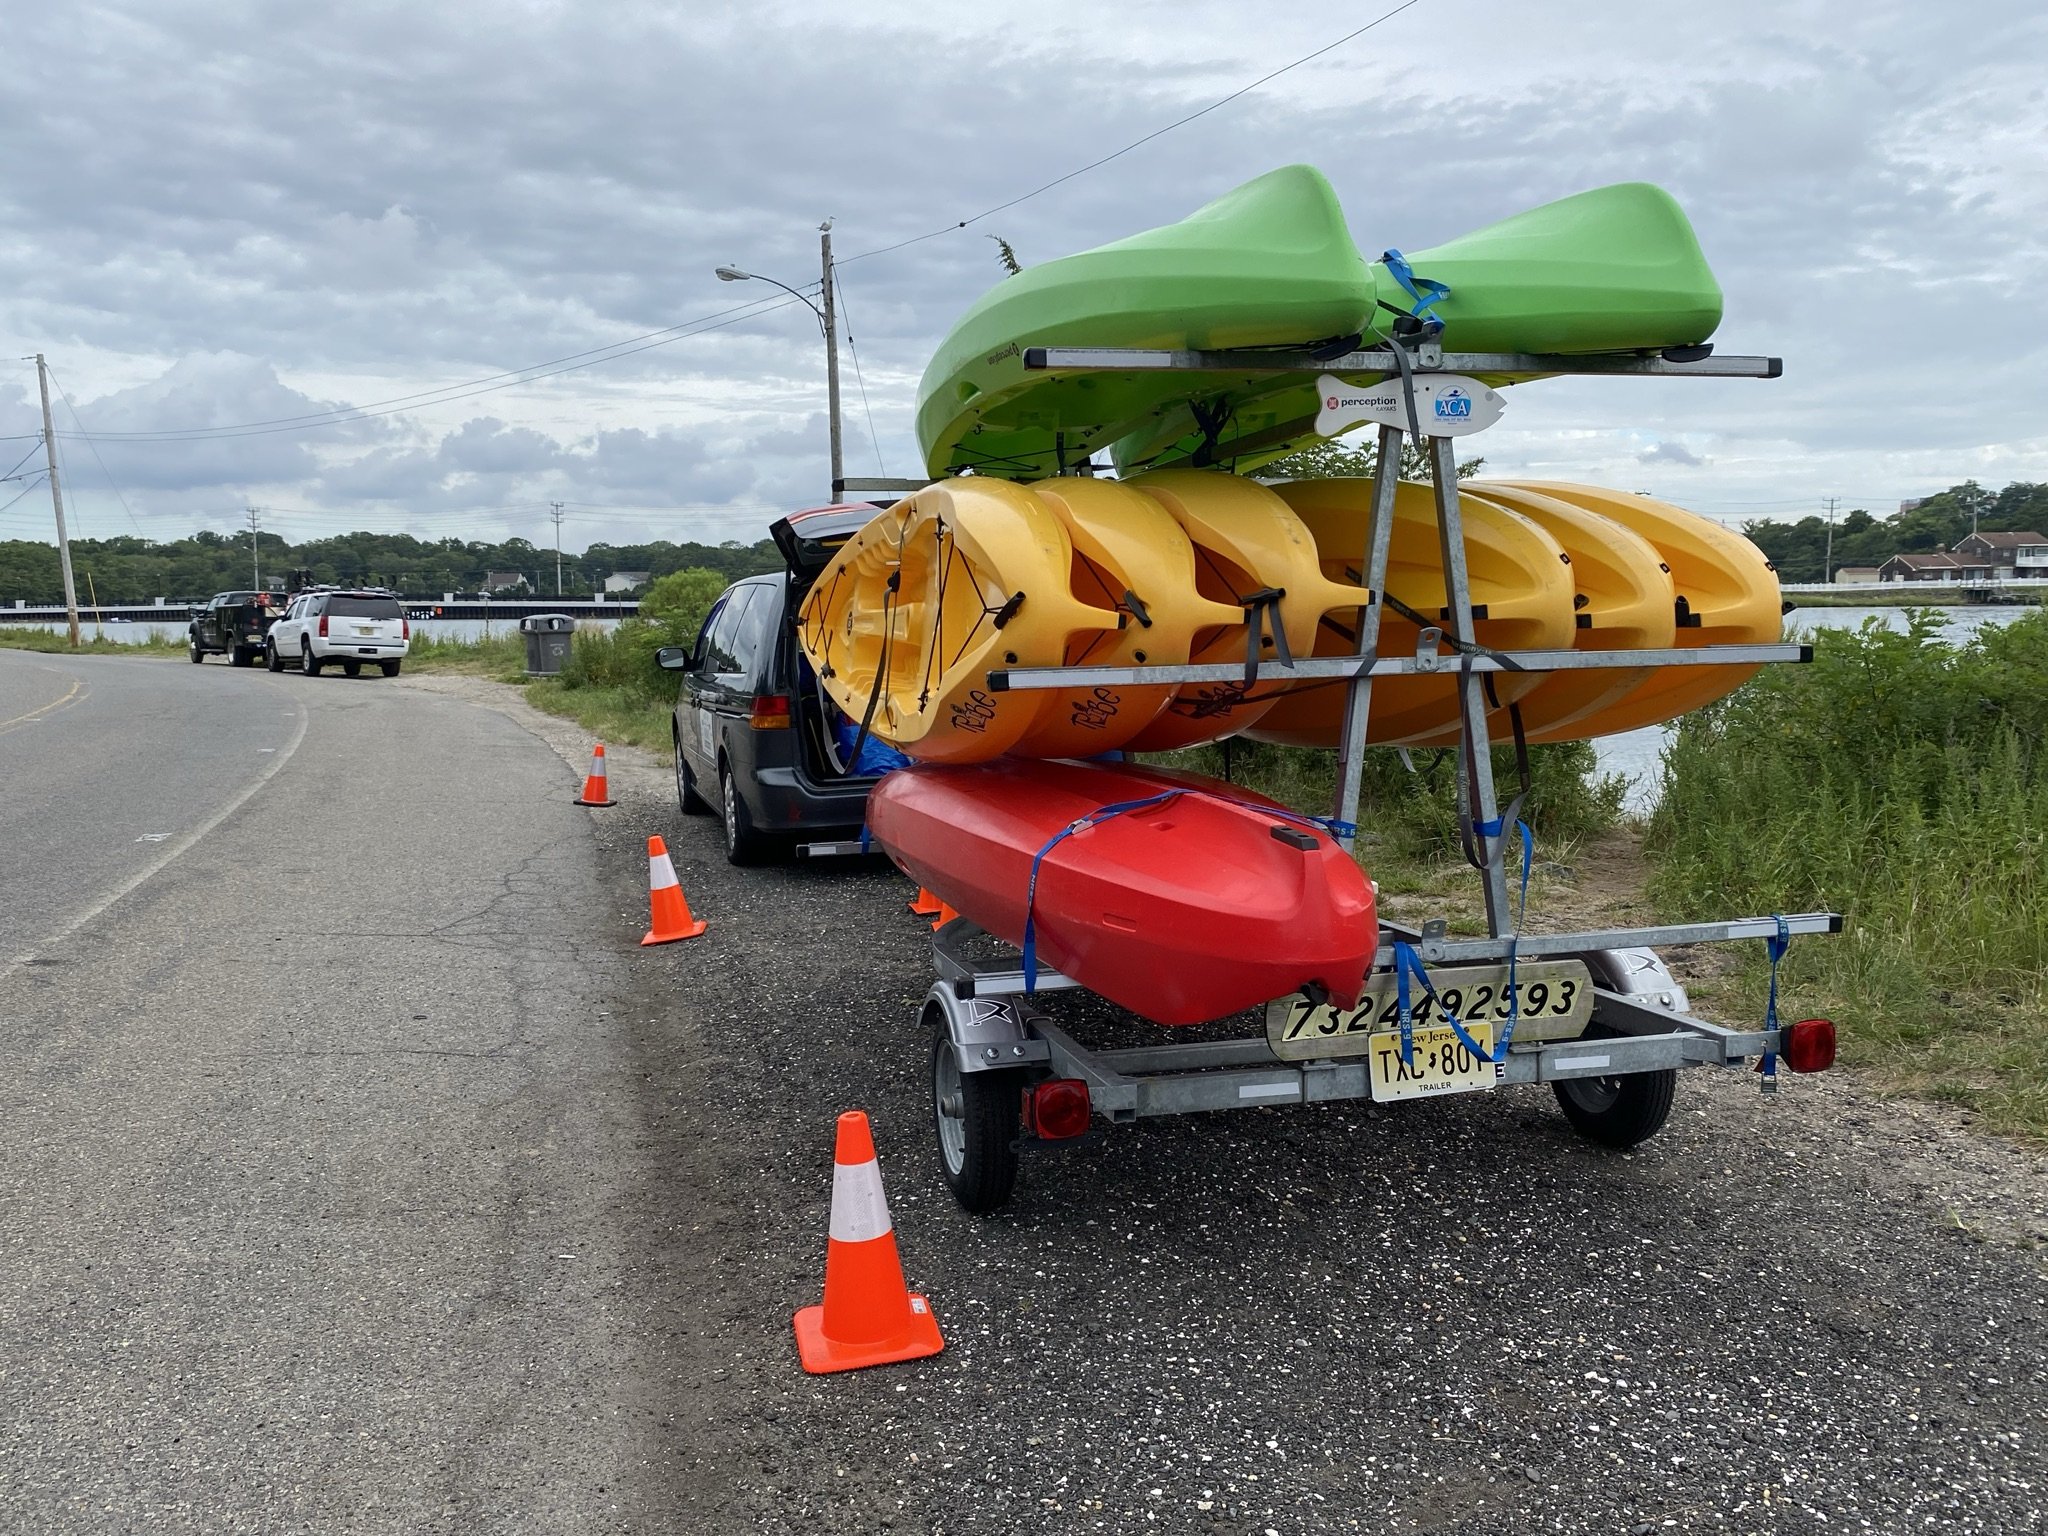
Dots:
pixel 1810 1045
pixel 1058 1110
pixel 770 713
pixel 323 626
pixel 404 627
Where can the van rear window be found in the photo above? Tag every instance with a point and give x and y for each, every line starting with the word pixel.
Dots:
pixel 341 606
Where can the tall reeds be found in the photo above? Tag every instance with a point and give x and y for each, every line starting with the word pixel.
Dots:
pixel 1901 780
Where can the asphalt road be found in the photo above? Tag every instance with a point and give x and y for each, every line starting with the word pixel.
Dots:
pixel 110 765
pixel 361 1173
pixel 318 1180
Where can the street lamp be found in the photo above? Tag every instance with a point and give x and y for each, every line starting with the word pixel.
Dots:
pixel 825 324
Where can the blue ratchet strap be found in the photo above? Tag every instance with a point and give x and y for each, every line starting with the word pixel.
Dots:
pixel 1499 1053
pixel 1424 291
pixel 1776 948
pixel 1329 824
pixel 1099 814
pixel 864 839
pixel 1407 962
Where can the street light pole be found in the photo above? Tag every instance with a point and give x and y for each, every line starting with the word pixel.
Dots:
pixel 831 358
pixel 57 502
pixel 826 324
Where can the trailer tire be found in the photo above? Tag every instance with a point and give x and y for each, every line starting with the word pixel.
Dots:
pixel 1618 1112
pixel 978 1144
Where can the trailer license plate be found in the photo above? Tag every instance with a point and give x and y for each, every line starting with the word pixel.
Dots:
pixel 1555 1003
pixel 1439 1063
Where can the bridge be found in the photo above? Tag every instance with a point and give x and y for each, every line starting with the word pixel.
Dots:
pixel 436 606
pixel 2026 589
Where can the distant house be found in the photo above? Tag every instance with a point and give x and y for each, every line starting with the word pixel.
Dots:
pixel 2001 551
pixel 1857 576
pixel 1936 567
pixel 2030 561
pixel 626 581
pixel 498 581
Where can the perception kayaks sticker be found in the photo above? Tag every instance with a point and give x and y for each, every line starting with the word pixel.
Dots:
pixel 1446 405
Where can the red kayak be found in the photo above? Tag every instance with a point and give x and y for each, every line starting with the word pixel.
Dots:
pixel 1202 900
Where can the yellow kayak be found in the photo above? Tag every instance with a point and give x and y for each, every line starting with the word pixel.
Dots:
pixel 1726 594
pixel 1622 597
pixel 1520 580
pixel 905 623
pixel 1253 555
pixel 1130 559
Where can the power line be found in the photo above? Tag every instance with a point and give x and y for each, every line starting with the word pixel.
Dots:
pixel 854 352
pixel 95 452
pixel 34 482
pixel 1180 122
pixel 404 404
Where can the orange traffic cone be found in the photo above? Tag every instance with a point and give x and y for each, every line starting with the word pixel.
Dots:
pixel 595 790
pixel 924 904
pixel 869 1317
pixel 943 916
pixel 670 913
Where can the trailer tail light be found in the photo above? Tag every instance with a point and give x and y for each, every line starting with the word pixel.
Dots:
pixel 770 713
pixel 323 626
pixel 1058 1110
pixel 1810 1045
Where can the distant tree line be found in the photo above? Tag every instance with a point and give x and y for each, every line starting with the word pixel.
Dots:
pixel 135 570
pixel 1799 549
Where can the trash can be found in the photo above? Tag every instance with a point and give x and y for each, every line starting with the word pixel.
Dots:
pixel 547 642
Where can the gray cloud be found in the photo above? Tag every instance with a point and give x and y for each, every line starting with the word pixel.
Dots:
pixel 294 209
pixel 1670 453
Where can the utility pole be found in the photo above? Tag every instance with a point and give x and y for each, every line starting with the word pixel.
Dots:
pixel 255 559
pixel 831 357
pixel 556 514
pixel 1827 561
pixel 57 501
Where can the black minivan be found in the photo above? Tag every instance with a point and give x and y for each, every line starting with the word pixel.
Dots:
pixel 756 737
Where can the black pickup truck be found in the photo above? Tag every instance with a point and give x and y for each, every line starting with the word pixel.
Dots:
pixel 233 624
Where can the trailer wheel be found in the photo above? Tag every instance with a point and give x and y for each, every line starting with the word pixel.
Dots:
pixel 978 1117
pixel 1618 1112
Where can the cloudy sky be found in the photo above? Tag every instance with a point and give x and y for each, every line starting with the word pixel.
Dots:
pixel 226 221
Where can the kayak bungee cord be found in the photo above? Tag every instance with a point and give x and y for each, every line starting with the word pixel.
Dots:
pixel 889 591
pixel 1328 824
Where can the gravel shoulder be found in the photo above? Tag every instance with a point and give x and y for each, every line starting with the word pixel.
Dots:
pixel 1818 1312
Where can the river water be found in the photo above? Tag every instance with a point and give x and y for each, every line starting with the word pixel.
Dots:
pixel 1637 755
pixel 1634 754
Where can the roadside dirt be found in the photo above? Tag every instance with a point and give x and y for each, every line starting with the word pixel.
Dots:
pixel 1817 1311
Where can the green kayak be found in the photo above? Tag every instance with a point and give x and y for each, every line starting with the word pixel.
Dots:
pixel 1617 269
pixel 1270 264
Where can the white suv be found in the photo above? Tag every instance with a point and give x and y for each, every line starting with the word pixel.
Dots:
pixel 348 625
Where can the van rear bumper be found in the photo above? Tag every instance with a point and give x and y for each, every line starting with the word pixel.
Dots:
pixel 791 801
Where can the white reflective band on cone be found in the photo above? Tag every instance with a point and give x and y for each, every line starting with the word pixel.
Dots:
pixel 860 1214
pixel 661 873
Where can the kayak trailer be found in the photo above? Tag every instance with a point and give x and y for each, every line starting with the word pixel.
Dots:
pixel 1596 1014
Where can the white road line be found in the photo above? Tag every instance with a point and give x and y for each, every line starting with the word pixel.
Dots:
pixel 171 850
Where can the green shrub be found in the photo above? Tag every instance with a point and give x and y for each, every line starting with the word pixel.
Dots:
pixel 671 612
pixel 1903 781
pixel 1411 806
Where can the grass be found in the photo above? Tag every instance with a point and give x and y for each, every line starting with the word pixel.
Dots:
pixel 1902 781
pixel 23 638
pixel 501 656
pixel 629 709
pixel 1408 820
pixel 613 714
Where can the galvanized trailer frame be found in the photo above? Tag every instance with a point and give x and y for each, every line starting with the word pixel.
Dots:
pixel 989 1031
